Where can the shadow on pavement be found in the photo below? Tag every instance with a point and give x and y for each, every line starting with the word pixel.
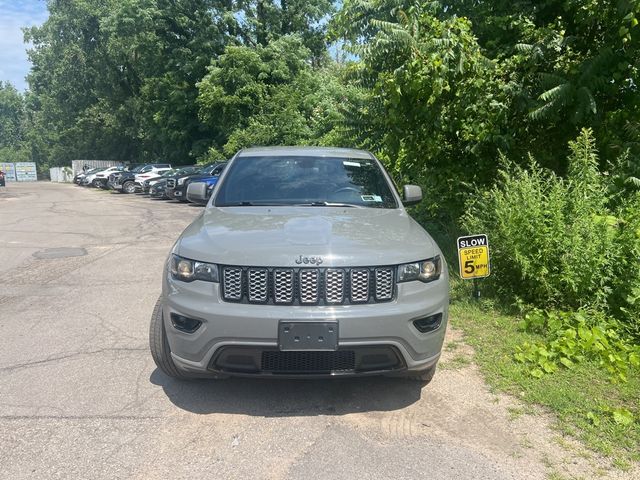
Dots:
pixel 281 398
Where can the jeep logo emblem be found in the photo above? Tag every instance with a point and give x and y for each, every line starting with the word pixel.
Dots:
pixel 309 260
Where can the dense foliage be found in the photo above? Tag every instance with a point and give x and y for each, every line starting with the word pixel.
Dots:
pixel 562 242
pixel 13 126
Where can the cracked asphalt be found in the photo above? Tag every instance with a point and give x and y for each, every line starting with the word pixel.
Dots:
pixel 80 396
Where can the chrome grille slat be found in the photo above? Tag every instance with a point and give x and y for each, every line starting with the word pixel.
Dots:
pixel 308 286
pixel 258 284
pixel 334 285
pixel 359 285
pixel 384 283
pixel 308 278
pixel 232 283
pixel 283 286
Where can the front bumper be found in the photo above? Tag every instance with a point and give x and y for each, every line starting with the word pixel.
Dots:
pixel 385 326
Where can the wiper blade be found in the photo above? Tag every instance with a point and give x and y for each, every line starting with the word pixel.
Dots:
pixel 329 204
pixel 287 204
pixel 252 204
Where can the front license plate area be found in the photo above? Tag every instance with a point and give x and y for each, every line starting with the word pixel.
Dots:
pixel 315 336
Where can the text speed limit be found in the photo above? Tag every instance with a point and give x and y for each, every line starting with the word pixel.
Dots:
pixel 473 256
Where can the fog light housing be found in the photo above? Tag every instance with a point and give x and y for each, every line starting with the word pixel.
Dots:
pixel 185 324
pixel 428 324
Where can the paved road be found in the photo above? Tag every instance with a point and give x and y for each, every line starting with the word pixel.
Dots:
pixel 80 396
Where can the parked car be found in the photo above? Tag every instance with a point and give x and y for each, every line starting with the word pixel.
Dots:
pixel 305 263
pixel 209 182
pixel 158 190
pixel 126 181
pixel 99 179
pixel 79 177
pixel 178 189
pixel 3 179
pixel 146 184
pixel 153 173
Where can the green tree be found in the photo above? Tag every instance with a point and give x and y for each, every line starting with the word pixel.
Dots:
pixel 116 79
pixel 258 22
pixel 13 125
pixel 575 63
pixel 271 95
pixel 437 110
pixel 12 116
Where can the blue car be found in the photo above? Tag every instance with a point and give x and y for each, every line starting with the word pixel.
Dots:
pixel 210 180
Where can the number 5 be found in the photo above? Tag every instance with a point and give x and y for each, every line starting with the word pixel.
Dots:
pixel 469 267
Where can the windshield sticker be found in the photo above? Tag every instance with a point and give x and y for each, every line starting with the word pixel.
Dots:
pixel 371 198
pixel 351 164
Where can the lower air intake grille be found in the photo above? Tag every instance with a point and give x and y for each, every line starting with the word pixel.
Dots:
pixel 296 362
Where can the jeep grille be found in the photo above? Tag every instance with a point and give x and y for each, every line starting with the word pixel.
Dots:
pixel 308 286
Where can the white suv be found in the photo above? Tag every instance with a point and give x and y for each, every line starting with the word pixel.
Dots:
pixel 151 171
pixel 99 179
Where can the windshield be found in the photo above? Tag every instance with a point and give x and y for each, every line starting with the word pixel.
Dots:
pixel 169 173
pixel 304 180
pixel 184 171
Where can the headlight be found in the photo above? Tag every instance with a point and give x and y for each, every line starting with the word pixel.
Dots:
pixel 181 180
pixel 189 270
pixel 425 271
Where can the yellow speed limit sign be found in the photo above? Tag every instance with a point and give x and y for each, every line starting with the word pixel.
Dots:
pixel 473 255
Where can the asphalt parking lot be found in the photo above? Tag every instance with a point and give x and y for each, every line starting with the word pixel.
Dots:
pixel 80 396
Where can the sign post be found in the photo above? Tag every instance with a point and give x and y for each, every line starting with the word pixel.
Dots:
pixel 473 258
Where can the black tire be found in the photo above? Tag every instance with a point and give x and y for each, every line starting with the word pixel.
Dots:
pixel 129 186
pixel 159 346
pixel 424 376
pixel 95 183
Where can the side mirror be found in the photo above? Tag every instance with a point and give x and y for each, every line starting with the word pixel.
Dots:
pixel 412 195
pixel 197 192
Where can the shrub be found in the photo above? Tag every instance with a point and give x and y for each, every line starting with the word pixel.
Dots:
pixel 551 238
pixel 624 300
pixel 564 243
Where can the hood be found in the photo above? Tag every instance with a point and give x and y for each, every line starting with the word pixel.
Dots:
pixel 200 178
pixel 286 236
pixel 208 180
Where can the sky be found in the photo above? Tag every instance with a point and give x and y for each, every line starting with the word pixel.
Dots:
pixel 15 14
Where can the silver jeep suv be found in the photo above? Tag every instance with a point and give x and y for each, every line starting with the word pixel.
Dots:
pixel 303 264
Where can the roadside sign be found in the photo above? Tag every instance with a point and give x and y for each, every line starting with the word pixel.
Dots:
pixel 9 170
pixel 26 172
pixel 473 257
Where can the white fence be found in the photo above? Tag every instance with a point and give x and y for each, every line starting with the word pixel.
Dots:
pixel 61 174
